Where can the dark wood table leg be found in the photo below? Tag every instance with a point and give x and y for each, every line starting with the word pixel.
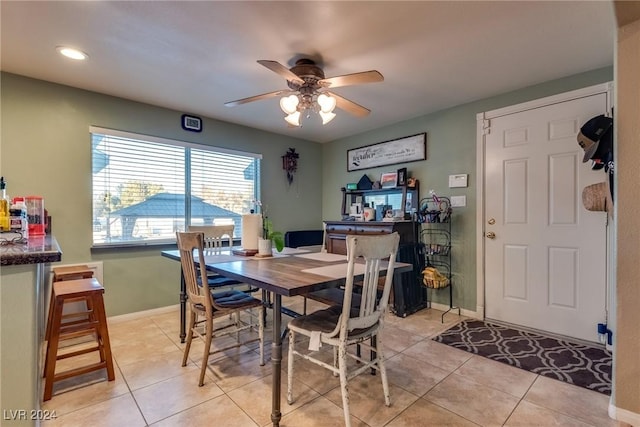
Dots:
pixel 183 307
pixel 276 361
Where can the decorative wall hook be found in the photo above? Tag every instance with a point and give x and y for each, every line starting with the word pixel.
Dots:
pixel 290 163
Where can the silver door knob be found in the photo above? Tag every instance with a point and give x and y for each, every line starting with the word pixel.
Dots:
pixel 490 235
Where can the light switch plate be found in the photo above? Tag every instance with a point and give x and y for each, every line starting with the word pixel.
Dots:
pixel 458 180
pixel 458 201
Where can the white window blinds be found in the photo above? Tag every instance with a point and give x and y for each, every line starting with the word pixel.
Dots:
pixel 146 188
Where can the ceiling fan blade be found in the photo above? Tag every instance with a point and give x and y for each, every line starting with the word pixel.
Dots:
pixel 256 98
pixel 278 68
pixel 372 76
pixel 350 106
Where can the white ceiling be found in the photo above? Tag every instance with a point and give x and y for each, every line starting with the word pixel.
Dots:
pixel 195 56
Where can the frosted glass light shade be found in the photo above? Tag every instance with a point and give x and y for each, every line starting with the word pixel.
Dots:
pixel 327 103
pixel 293 119
pixel 326 117
pixel 289 104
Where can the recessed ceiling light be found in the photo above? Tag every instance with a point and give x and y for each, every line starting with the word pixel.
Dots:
pixel 72 53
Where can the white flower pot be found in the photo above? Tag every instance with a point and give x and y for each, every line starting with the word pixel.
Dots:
pixel 265 247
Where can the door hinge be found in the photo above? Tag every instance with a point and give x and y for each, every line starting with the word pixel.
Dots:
pixel 486 126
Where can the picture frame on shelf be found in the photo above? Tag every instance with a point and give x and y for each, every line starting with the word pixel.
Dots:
pixel 402 177
pixel 389 180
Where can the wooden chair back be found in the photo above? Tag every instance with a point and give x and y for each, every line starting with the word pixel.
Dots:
pixel 215 235
pixel 377 250
pixel 188 243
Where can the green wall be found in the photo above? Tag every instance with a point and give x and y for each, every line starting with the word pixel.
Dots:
pixel 451 149
pixel 46 150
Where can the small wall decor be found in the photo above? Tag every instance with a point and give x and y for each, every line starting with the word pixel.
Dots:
pixel 191 123
pixel 403 150
pixel 402 177
pixel 290 163
pixel 389 179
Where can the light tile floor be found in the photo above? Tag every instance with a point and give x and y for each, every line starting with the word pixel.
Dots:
pixel 431 385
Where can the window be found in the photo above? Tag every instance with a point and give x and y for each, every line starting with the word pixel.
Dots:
pixel 140 182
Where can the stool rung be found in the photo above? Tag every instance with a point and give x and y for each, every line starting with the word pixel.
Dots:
pixel 79 371
pixel 84 326
pixel 78 352
pixel 75 322
pixel 77 314
pixel 71 335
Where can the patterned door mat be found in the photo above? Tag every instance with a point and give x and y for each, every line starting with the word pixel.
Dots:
pixel 584 365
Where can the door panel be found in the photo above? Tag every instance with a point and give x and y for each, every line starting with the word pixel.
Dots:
pixel 545 268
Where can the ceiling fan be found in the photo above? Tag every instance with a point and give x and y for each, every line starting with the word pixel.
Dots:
pixel 309 91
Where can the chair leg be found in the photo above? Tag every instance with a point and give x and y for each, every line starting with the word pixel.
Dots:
pixel 261 316
pixel 383 370
pixel 335 360
pixel 237 322
pixel 52 350
pixel 290 368
pixel 98 312
pixel 187 347
pixel 207 348
pixel 342 364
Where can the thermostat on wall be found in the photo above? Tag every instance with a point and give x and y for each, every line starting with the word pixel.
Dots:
pixel 459 180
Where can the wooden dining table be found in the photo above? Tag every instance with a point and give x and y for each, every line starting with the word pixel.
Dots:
pixel 290 273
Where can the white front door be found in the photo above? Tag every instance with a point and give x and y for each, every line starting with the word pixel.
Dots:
pixel 546 266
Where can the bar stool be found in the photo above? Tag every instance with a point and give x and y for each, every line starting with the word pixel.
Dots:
pixel 93 321
pixel 68 273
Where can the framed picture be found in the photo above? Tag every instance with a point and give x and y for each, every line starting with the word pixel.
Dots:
pixel 191 123
pixel 402 177
pixel 389 179
pixel 402 150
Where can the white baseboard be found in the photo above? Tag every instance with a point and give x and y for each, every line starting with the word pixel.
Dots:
pixel 464 312
pixel 143 314
pixel 623 415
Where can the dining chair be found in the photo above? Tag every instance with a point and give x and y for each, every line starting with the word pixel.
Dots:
pixel 341 326
pixel 215 237
pixel 207 305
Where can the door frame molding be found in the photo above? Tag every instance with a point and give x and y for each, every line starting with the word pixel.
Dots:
pixel 606 88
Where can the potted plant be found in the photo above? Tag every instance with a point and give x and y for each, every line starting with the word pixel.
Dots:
pixel 270 237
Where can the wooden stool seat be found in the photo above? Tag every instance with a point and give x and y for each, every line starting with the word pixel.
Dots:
pixel 93 322
pixel 72 273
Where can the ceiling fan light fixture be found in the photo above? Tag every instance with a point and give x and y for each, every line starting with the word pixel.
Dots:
pixel 289 104
pixel 293 118
pixel 327 103
pixel 326 117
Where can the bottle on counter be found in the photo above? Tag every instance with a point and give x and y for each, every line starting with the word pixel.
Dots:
pixel 5 222
pixel 18 217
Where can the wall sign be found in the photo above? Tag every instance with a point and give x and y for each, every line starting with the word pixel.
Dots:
pixel 191 123
pixel 403 150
